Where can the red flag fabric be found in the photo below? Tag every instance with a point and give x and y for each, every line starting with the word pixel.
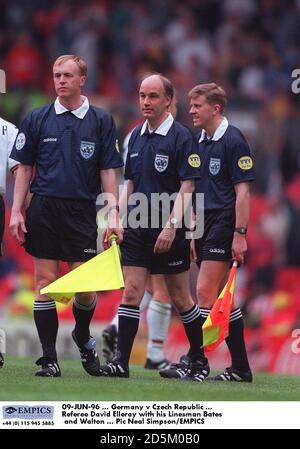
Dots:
pixel 216 326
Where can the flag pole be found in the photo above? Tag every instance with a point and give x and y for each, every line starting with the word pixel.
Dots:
pixel 229 282
pixel 117 254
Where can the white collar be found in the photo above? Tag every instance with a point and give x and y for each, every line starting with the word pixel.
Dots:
pixel 79 112
pixel 219 132
pixel 163 127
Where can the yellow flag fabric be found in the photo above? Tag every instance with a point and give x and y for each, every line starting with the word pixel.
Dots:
pixel 102 272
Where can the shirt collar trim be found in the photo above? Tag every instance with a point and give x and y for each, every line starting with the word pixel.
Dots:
pixel 79 112
pixel 219 132
pixel 163 128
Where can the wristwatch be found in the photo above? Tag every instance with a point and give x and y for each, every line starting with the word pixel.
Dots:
pixel 241 230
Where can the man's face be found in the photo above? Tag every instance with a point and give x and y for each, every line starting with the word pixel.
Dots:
pixel 67 79
pixel 153 102
pixel 202 112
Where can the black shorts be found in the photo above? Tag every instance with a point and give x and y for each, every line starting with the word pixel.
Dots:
pixel 61 229
pixel 2 222
pixel 217 238
pixel 137 251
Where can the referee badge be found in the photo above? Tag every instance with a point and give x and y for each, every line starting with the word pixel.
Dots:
pixel 214 165
pixel 87 149
pixel 161 162
pixel 245 163
pixel 194 160
pixel 20 142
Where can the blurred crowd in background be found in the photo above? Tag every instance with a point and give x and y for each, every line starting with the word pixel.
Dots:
pixel 250 47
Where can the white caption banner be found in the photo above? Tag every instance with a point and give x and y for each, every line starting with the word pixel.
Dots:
pixel 150 415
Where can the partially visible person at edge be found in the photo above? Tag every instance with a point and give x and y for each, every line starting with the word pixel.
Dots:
pixel 72 146
pixel 8 133
pixel 227 170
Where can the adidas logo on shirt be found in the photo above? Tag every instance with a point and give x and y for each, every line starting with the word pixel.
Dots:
pixel 50 139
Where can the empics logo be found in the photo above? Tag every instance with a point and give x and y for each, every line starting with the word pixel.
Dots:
pixel 27 412
pixel 11 410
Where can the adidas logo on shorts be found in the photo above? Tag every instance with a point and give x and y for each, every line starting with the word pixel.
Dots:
pixel 217 250
pixel 175 263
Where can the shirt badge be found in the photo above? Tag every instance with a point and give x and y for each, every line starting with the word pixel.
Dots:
pixel 245 163
pixel 161 162
pixel 20 142
pixel 194 160
pixel 87 149
pixel 214 165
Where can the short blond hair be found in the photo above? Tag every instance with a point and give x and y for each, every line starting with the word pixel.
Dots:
pixel 213 93
pixel 79 61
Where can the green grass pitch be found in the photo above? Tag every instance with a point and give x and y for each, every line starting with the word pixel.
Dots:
pixel 17 382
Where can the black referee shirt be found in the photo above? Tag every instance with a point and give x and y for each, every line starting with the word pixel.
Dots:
pixel 68 150
pixel 225 161
pixel 158 161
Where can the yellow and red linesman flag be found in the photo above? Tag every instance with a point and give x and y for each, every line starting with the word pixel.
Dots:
pixel 102 272
pixel 216 326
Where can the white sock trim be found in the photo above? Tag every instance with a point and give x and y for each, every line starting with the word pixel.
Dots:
pixel 235 315
pixel 128 312
pixel 204 312
pixel 44 305
pixel 191 316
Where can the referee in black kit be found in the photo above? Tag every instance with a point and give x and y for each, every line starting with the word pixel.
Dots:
pixel 162 158
pixel 227 170
pixel 72 146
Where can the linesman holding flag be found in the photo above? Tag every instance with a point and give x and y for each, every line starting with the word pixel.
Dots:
pixel 72 146
pixel 227 170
